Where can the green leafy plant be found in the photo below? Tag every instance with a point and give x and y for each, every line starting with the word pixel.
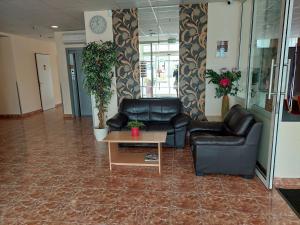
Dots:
pixel 98 60
pixel 226 81
pixel 135 124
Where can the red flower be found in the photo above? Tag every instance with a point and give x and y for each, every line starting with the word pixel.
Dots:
pixel 224 82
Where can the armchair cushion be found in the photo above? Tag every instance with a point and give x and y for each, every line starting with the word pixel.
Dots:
pixel 180 120
pixel 118 121
pixel 205 126
pixel 210 139
pixel 240 123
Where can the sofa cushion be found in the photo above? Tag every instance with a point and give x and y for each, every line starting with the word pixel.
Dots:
pixel 160 127
pixel 135 109
pixel 164 110
pixel 150 109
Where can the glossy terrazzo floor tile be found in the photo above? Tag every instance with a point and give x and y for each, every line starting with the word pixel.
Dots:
pixel 53 172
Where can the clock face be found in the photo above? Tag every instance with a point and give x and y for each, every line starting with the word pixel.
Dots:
pixel 98 24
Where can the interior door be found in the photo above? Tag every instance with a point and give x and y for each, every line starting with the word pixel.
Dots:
pixel 80 99
pixel 45 81
pixel 84 97
pixel 269 23
pixel 73 83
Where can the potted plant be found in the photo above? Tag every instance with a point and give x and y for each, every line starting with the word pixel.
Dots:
pixel 227 84
pixel 98 61
pixel 134 126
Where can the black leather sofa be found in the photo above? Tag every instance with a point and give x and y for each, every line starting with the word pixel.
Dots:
pixel 157 114
pixel 228 147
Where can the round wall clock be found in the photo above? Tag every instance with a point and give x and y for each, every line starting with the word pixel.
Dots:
pixel 98 24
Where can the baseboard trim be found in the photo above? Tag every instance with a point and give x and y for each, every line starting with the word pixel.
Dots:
pixel 68 116
pixel 24 115
pixel 10 116
pixel 20 116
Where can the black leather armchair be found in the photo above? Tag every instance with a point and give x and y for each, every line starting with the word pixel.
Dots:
pixel 157 114
pixel 228 147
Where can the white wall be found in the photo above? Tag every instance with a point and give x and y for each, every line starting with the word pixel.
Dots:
pixel 63 69
pixel 9 102
pixel 24 49
pixel 287 161
pixel 106 36
pixel 24 66
pixel 223 25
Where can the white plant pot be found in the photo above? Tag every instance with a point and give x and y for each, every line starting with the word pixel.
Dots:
pixel 100 134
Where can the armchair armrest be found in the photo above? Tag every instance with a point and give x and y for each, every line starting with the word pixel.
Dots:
pixel 218 140
pixel 180 120
pixel 205 126
pixel 118 121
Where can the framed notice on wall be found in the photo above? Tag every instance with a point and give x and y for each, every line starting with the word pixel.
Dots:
pixel 222 49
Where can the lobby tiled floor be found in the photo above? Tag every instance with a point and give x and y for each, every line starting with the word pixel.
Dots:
pixel 53 172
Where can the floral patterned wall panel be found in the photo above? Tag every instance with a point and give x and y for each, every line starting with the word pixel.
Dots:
pixel 125 32
pixel 192 52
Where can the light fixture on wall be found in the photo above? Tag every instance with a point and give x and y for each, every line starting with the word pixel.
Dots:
pixel 54 26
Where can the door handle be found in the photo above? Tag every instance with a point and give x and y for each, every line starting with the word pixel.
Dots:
pixel 270 93
pixel 287 78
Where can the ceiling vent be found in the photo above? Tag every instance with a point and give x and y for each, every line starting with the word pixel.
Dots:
pixel 74 38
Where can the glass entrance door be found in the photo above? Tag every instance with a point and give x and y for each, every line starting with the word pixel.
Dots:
pixel 269 19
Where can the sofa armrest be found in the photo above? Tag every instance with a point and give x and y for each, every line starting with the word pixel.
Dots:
pixel 204 126
pixel 254 134
pixel 180 120
pixel 118 121
pixel 218 140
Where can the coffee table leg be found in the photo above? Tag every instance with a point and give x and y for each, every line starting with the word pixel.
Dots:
pixel 109 154
pixel 159 157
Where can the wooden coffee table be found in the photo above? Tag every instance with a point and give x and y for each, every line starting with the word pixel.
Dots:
pixel 127 158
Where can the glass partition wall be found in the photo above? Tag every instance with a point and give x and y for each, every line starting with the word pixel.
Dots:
pixel 159 51
pixel 291 101
pixel 264 59
pixel 244 53
pixel 263 66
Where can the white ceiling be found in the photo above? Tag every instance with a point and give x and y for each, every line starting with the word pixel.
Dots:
pixel 34 17
pixel 159 23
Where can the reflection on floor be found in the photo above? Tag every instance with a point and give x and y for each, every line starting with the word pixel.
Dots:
pixel 53 172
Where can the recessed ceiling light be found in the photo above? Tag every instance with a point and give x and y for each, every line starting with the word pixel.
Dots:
pixel 54 26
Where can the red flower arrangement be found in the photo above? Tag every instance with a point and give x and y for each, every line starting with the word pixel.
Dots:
pixel 226 81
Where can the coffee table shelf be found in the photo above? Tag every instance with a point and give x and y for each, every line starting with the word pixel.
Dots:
pixel 127 158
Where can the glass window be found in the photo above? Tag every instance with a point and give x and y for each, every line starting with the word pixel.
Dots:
pixel 159 52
